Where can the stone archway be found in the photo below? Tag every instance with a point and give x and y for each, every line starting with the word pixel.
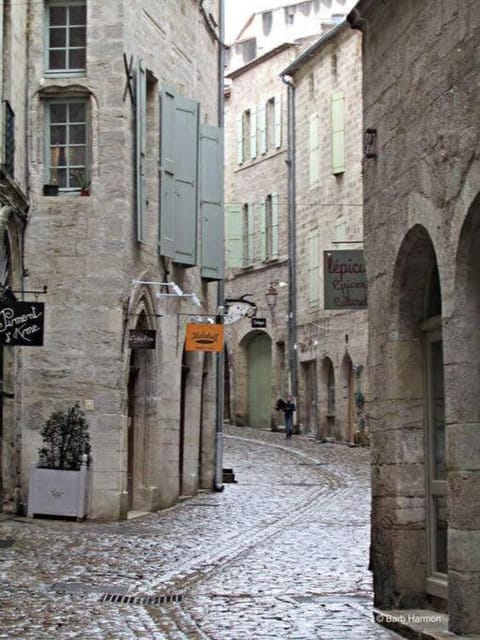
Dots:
pixel 409 402
pixel 326 400
pixel 462 370
pixel 345 403
pixel 141 417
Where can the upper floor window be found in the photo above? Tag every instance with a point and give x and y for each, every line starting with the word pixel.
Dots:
pixel 67 144
pixel 66 36
pixel 9 139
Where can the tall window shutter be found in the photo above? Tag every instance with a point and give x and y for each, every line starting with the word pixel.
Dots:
pixel 275 216
pixel 212 248
pixel 314 150
pixel 234 236
pixel 262 129
pixel 186 180
pixel 240 157
pixel 140 149
pixel 166 238
pixel 262 224
pixel 338 133
pixel 251 233
pixel 313 268
pixel 253 133
pixel 178 180
pixel 278 121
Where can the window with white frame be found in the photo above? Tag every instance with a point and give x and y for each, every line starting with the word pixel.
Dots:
pixel 66 35
pixel 66 161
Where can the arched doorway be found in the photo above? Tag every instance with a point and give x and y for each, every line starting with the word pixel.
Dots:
pixel 326 401
pixel 309 418
pixel 259 372
pixel 140 416
pixel 346 410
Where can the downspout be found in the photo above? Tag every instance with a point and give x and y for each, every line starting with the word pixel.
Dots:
pixel 292 239
pixel 220 360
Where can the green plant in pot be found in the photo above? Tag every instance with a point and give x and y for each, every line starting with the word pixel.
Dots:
pixel 83 182
pixel 58 483
pixel 66 440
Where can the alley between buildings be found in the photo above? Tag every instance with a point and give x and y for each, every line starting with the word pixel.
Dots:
pixel 281 553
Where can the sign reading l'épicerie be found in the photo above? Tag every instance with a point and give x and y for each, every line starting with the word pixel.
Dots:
pixel 21 323
pixel 204 337
pixel 345 279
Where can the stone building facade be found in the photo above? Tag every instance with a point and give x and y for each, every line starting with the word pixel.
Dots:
pixel 269 231
pixel 422 221
pixel 14 208
pixel 257 235
pixel 326 83
pixel 123 105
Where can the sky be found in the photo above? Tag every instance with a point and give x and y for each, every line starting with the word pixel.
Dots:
pixel 237 13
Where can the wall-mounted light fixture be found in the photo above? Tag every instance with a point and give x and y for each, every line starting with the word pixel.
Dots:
pixel 271 296
pixel 370 143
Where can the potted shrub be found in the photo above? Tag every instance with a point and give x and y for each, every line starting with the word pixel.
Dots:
pixel 58 483
pixel 84 183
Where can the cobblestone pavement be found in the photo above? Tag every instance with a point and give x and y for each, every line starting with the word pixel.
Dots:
pixel 280 554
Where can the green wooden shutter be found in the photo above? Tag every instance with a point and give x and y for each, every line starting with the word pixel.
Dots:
pixel 186 180
pixel 250 233
pixel 240 157
pixel 313 267
pixel 212 250
pixel 314 150
pixel 178 178
pixel 140 149
pixel 253 133
pixel 275 216
pixel 263 231
pixel 234 236
pixel 262 129
pixel 167 175
pixel 338 133
pixel 278 121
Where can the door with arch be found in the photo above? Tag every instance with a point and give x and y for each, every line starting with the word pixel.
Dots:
pixel 259 372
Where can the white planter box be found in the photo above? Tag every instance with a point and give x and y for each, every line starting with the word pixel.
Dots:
pixel 58 493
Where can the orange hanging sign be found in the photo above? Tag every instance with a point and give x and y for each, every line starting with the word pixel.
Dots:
pixel 204 337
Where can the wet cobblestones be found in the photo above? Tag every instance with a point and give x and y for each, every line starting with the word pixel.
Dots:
pixel 281 554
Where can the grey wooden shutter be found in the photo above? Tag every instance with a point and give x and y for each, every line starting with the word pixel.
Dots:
pixel 212 250
pixel 234 235
pixel 178 178
pixel 167 175
pixel 140 149
pixel 186 180
pixel 262 224
pixel 275 216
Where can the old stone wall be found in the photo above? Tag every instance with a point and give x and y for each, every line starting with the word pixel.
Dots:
pixel 83 249
pixel 421 210
pixel 331 205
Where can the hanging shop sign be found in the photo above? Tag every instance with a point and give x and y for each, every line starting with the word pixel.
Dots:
pixel 142 338
pixel 345 279
pixel 204 337
pixel 21 323
pixel 259 323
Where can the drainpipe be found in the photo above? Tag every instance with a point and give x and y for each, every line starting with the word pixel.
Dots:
pixel 220 365
pixel 292 239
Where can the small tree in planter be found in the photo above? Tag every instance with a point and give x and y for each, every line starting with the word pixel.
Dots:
pixel 58 483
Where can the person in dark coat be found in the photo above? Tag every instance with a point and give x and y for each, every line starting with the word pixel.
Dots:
pixel 288 407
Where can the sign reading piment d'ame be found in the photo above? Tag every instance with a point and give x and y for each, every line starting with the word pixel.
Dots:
pixel 21 323
pixel 345 279
pixel 204 337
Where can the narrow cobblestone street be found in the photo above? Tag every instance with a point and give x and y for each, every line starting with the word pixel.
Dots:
pixel 282 553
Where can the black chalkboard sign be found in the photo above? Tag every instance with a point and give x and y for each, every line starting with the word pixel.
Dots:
pixel 21 323
pixel 141 338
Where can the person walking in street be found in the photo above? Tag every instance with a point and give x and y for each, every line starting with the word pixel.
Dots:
pixel 288 407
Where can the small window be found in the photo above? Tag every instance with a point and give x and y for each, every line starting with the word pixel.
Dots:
pixel 67 144
pixel 246 129
pixel 66 36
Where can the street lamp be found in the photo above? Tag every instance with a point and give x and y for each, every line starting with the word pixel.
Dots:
pixel 271 297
